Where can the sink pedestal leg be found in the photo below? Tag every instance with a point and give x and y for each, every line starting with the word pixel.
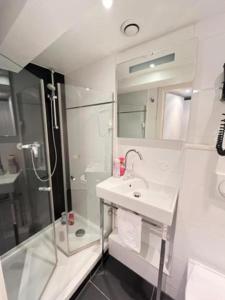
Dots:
pixel 161 266
pixel 15 225
pixel 162 251
pixel 102 227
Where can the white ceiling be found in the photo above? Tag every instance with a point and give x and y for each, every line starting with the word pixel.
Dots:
pixel 9 9
pixel 99 32
pixel 67 35
pixel 28 27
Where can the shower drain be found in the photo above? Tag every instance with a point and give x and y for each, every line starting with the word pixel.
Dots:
pixel 80 232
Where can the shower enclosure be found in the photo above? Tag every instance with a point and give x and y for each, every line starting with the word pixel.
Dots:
pixel 86 120
pixel 74 124
pixel 27 240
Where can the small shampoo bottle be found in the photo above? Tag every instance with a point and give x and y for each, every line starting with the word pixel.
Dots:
pixel 116 167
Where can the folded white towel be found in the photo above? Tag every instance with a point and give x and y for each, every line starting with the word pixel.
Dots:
pixel 129 229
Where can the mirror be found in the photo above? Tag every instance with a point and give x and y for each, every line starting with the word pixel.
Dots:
pixel 154 94
pixel 7 118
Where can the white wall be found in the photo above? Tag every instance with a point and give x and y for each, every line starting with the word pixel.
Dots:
pixel 176 117
pixel 9 11
pixel 173 117
pixel 185 118
pixel 205 105
pixel 99 76
pixel 200 226
pixel 161 159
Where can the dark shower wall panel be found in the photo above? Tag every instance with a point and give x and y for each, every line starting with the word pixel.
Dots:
pixel 57 179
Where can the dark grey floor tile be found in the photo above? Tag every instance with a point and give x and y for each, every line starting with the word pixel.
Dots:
pixel 165 297
pixel 90 292
pixel 120 283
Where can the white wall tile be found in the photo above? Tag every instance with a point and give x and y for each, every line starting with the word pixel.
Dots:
pixel 158 165
pixel 211 57
pixel 201 217
pixel 206 113
pixel 99 76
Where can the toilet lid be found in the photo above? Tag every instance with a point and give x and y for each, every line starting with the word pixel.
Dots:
pixel 205 284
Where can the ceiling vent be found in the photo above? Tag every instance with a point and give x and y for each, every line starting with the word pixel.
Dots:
pixel 130 28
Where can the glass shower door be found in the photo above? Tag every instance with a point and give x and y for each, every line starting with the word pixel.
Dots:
pixel 89 128
pixel 28 266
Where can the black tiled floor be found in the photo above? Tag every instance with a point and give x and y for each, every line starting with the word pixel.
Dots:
pixel 117 282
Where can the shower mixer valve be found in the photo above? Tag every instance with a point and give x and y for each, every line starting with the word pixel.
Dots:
pixel 34 147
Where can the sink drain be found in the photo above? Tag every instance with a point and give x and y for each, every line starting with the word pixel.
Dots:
pixel 80 232
pixel 137 194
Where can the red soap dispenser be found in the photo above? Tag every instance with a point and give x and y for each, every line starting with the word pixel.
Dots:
pixel 122 165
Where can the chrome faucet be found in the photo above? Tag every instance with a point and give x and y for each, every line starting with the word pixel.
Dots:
pixel 126 159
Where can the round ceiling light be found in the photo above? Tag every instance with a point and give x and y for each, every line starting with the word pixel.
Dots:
pixel 130 28
pixel 107 3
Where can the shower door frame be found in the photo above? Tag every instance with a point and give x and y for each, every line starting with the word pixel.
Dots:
pixel 63 150
pixel 48 164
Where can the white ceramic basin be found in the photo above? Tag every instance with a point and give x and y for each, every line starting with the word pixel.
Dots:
pixel 7 182
pixel 152 200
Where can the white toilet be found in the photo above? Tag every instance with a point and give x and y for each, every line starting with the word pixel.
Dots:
pixel 204 283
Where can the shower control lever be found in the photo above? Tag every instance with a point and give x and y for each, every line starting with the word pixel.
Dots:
pixel 44 189
pixel 34 147
pixel 72 178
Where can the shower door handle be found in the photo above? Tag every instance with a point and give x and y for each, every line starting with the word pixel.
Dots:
pixel 44 189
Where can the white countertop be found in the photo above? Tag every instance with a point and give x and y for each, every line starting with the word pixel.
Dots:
pixel 8 178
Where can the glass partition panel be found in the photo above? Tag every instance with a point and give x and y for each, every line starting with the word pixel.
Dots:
pixel 27 238
pixel 89 127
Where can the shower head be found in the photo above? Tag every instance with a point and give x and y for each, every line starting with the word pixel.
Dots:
pixel 51 87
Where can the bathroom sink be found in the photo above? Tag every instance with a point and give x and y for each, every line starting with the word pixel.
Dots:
pixel 7 182
pixel 149 199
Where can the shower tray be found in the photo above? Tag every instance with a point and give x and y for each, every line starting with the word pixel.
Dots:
pixel 76 243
